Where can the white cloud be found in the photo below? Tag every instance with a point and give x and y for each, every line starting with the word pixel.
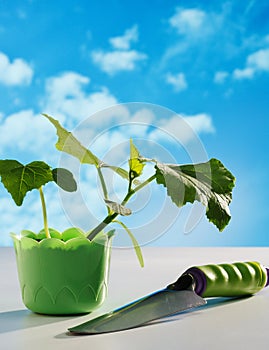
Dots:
pixel 122 57
pixel 143 115
pixel 220 77
pixel 123 42
pixel 246 73
pixel 66 84
pixel 178 81
pixel 184 129
pixel 115 61
pixel 18 72
pixel 67 99
pixel 188 21
pixel 28 133
pixel 200 123
pixel 256 62
pixel 194 26
pixel 259 60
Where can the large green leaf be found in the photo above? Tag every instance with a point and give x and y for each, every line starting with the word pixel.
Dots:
pixel 19 179
pixel 209 183
pixel 136 165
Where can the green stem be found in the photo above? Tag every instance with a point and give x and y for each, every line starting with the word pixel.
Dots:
pixel 102 180
pixel 103 185
pixel 111 216
pixel 137 188
pixel 102 225
pixel 45 218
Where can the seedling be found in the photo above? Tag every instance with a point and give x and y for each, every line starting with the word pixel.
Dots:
pixel 209 183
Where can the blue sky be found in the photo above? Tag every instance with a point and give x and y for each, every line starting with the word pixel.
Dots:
pixel 208 61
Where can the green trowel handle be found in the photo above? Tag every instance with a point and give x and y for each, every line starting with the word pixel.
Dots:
pixel 229 280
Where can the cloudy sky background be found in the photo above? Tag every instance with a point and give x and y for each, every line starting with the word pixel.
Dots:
pixel 78 60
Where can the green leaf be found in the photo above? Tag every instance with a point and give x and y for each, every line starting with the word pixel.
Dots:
pixel 69 144
pixel 19 179
pixel 118 208
pixel 64 179
pixel 136 165
pixel 209 183
pixel 134 242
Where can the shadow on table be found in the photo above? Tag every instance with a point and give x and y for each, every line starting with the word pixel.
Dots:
pixel 23 319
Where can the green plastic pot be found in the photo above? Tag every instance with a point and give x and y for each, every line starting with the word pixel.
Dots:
pixel 65 274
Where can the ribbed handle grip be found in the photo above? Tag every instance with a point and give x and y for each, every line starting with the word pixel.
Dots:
pixel 229 280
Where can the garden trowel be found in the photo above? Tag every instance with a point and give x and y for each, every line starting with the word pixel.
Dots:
pixel 195 284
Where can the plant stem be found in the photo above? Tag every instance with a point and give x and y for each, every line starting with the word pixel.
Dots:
pixel 110 217
pixel 103 185
pixel 45 218
pixel 137 188
pixel 102 180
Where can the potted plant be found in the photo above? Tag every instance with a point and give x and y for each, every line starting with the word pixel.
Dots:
pixel 66 273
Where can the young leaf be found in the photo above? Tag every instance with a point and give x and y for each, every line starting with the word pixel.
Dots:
pixel 210 183
pixel 64 179
pixel 69 144
pixel 118 208
pixel 19 179
pixel 135 164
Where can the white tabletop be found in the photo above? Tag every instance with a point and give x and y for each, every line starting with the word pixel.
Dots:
pixel 238 324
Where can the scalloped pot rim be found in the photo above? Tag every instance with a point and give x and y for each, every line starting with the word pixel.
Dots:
pixel 78 239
